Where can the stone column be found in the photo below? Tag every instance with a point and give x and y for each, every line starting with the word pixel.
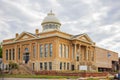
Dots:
pixel 11 53
pixel 62 50
pixel 19 60
pixel 75 51
pixel 15 53
pixel 8 55
pixel 80 55
pixel 72 52
pixel 36 51
pixel 90 54
pixel 30 52
pixel 37 54
pixel 86 53
pixel 21 53
pixel 75 55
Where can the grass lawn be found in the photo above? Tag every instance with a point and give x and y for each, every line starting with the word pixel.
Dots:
pixel 38 76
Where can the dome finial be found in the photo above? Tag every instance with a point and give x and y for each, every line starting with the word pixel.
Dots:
pixel 51 12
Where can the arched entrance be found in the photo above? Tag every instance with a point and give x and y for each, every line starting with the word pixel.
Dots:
pixel 26 57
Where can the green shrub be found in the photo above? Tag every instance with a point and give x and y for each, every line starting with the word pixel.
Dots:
pixel 13 65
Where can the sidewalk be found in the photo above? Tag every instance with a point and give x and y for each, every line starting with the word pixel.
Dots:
pixel 100 78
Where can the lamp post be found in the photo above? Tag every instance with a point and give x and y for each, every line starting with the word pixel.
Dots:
pixel 2 70
pixel 118 63
pixel 3 73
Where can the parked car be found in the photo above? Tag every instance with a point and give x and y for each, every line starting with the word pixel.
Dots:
pixel 117 76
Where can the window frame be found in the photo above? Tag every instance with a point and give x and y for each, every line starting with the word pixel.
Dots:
pixel 34 51
pixel 50 65
pixel 60 65
pixel 19 53
pixel 41 66
pixel 45 65
pixel 51 49
pixel 46 50
pixel 6 54
pixel 41 50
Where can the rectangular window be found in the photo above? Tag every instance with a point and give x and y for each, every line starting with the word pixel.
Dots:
pixel 67 66
pixel 45 65
pixel 10 54
pixel 51 50
pixel 50 65
pixel 6 54
pixel 77 58
pixel 46 50
pixel 41 50
pixel 41 66
pixel 33 65
pixel 13 54
pixel 64 66
pixel 60 65
pixel 34 51
pixel 93 56
pixel 19 53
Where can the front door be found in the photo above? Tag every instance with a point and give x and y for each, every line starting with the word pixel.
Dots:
pixel 72 67
pixel 26 57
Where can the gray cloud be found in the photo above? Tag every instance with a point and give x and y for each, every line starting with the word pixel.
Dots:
pixel 100 19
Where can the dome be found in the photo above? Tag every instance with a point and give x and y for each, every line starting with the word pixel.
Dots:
pixel 50 23
pixel 51 18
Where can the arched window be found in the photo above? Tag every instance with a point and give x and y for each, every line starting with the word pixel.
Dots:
pixel 26 49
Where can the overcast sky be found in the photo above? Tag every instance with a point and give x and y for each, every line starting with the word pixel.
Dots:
pixel 100 19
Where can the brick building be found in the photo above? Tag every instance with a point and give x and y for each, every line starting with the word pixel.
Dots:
pixel 106 60
pixel 55 50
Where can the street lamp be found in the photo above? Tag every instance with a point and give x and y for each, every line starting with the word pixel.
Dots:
pixel 2 70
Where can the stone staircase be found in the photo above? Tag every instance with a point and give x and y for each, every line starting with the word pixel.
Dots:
pixel 26 68
pixel 23 69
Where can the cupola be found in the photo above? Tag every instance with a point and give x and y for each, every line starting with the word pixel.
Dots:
pixel 50 22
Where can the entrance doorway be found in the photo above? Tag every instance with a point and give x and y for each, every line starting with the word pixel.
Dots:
pixel 72 67
pixel 26 57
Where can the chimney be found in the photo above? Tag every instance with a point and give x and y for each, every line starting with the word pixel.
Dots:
pixel 17 35
pixel 37 31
